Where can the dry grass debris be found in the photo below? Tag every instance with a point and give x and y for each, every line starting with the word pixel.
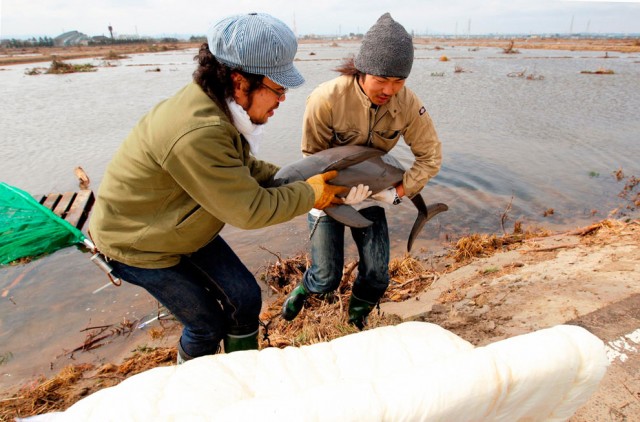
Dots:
pixel 322 319
pixel 74 382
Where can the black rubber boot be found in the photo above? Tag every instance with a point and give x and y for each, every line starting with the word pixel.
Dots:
pixel 237 342
pixel 358 311
pixel 294 303
pixel 182 355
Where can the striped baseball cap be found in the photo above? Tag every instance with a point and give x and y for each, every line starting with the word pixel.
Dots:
pixel 257 43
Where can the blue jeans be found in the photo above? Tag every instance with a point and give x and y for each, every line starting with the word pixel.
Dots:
pixel 327 256
pixel 210 292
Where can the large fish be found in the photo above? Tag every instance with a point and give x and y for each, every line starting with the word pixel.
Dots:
pixel 358 165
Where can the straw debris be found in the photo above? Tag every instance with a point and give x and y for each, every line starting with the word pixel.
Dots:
pixel 59 67
pixel 74 382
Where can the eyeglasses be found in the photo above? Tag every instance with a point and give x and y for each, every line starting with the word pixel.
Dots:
pixel 279 93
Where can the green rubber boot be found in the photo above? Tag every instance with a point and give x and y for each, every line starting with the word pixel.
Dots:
pixel 237 342
pixel 358 311
pixel 294 303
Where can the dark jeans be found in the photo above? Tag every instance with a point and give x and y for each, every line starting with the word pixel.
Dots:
pixel 210 292
pixel 327 256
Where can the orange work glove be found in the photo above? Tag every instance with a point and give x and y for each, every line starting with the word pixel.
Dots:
pixel 326 193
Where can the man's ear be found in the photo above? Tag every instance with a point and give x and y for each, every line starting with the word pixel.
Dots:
pixel 237 80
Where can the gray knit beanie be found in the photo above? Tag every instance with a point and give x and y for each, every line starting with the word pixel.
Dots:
pixel 386 50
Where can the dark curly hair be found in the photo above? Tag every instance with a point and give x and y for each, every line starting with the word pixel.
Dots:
pixel 215 78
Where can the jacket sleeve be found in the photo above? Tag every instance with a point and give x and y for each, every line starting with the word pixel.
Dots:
pixel 425 145
pixel 317 131
pixel 209 164
pixel 260 170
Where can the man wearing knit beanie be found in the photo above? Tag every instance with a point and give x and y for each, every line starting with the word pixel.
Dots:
pixel 367 105
pixel 386 50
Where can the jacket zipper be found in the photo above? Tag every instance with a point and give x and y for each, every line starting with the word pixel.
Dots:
pixel 372 124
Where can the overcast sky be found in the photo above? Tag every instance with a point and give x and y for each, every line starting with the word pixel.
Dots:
pixel 26 18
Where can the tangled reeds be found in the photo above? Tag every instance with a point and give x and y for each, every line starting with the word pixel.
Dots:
pixel 324 318
pixel 112 55
pixel 74 382
pixel 60 67
pixel 600 71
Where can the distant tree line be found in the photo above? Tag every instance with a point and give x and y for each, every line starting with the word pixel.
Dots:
pixel 31 42
pixel 98 40
pixel 111 41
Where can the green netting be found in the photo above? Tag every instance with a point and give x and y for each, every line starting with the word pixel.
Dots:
pixel 28 229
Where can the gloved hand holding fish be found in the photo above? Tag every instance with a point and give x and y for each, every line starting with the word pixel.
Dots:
pixel 358 165
pixel 357 194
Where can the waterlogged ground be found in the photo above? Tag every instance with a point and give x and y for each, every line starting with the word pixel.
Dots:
pixel 542 152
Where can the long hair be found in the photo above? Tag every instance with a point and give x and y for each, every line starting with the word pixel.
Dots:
pixel 348 67
pixel 215 78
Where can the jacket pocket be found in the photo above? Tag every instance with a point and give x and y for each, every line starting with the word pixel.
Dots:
pixel 347 137
pixel 385 139
pixel 195 230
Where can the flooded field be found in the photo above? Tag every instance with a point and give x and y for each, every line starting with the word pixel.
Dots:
pixel 526 132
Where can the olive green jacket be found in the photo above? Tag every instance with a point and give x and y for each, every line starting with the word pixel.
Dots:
pixel 339 113
pixel 183 173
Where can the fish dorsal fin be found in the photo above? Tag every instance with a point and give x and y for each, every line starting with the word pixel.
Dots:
pixel 355 154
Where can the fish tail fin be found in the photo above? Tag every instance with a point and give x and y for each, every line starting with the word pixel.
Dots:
pixel 425 213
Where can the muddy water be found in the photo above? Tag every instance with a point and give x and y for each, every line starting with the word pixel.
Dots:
pixel 531 145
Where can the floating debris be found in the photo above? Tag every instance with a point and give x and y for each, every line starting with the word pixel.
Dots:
pixel 523 74
pixel 83 179
pixel 59 67
pixel 510 49
pixel 112 55
pixel 600 71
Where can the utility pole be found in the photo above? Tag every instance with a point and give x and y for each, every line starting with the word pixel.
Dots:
pixel 295 29
pixel 571 26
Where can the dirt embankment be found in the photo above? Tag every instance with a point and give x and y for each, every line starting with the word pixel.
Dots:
pixel 630 45
pixel 11 56
pixel 487 290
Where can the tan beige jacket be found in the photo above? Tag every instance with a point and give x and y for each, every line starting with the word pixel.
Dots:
pixel 339 113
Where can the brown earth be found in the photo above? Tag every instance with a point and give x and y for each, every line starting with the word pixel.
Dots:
pixel 630 45
pixel 10 56
pixel 588 279
pixel 485 291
